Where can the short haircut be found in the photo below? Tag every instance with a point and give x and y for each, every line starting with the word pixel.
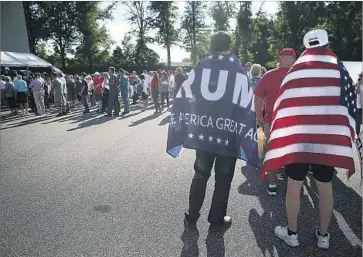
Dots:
pixel 220 42
pixel 142 76
pixel 112 68
pixel 256 70
pixel 83 74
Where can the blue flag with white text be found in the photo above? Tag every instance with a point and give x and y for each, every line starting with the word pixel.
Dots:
pixel 214 111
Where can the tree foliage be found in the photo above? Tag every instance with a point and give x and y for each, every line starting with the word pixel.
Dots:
pixel 222 13
pixel 163 18
pixel 194 27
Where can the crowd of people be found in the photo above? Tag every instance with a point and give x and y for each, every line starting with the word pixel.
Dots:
pixel 40 91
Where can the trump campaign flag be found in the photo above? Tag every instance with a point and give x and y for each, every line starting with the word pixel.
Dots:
pixel 314 114
pixel 214 111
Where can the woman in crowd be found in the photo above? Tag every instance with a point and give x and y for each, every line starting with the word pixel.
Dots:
pixel 164 90
pixel 255 75
pixel 71 91
pixel 98 93
pixel 21 92
pixel 145 91
pixel 105 91
pixel 179 79
pixel 10 95
pixel 91 90
pixel 155 85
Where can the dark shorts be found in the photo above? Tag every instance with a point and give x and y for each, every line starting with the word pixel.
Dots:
pixel 22 98
pixel 298 172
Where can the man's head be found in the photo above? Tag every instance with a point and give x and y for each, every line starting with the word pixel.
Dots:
pixel 53 75
pixel 287 57
pixel 248 66
pixel 316 38
pixel 111 70
pixel 221 42
pixel 122 72
pixel 83 75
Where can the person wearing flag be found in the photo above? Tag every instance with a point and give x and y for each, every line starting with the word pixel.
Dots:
pixel 265 96
pixel 312 125
pixel 213 113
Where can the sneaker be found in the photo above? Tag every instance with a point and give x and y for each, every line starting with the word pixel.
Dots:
pixel 271 190
pixel 281 232
pixel 323 241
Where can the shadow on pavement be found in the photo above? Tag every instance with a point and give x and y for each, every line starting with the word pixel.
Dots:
pixel 214 242
pixel 341 243
pixel 92 122
pixel 29 121
pixel 147 118
pixel 190 242
pixel 165 121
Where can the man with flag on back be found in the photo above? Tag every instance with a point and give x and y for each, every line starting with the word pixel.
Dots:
pixel 312 124
pixel 266 93
pixel 213 113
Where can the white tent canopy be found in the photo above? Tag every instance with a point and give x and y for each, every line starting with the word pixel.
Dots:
pixel 12 59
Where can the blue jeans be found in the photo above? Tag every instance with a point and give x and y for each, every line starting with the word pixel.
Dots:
pixel 125 100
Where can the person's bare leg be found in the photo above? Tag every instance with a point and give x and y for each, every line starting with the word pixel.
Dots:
pixel 326 202
pixel 293 203
pixel 272 177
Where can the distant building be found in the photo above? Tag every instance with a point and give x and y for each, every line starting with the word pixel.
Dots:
pixel 14 37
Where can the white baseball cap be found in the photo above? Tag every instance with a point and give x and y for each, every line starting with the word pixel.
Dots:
pixel 97 73
pixel 316 38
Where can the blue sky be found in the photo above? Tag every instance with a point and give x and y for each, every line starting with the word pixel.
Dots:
pixel 120 25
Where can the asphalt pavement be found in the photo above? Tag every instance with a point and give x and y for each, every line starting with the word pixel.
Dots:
pixel 88 185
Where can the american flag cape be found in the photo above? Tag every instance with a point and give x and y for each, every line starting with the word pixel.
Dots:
pixel 314 114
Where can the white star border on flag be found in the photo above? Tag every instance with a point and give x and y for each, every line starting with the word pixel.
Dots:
pixel 218 140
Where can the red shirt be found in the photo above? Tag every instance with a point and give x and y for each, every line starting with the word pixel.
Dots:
pixel 267 88
pixel 97 81
pixel 154 83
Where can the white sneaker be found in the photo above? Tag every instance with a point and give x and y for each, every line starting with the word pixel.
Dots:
pixel 281 232
pixel 323 241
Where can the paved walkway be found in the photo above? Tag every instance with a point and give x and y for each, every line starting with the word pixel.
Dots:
pixel 88 185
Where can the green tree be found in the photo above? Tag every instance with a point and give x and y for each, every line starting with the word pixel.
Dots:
pixel 94 39
pixel 140 15
pixel 117 57
pixel 244 31
pixel 344 25
pixel 262 27
pixel 36 22
pixel 194 27
pixel 164 15
pixel 62 20
pixel 221 13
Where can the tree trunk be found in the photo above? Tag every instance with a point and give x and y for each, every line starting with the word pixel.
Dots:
pixel 62 54
pixel 168 55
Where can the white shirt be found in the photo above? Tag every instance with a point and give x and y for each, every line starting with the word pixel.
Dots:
pixel 64 84
pixel 147 79
pixel 105 84
pixel 2 84
pixel 91 86
pixel 172 82
pixel 144 86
